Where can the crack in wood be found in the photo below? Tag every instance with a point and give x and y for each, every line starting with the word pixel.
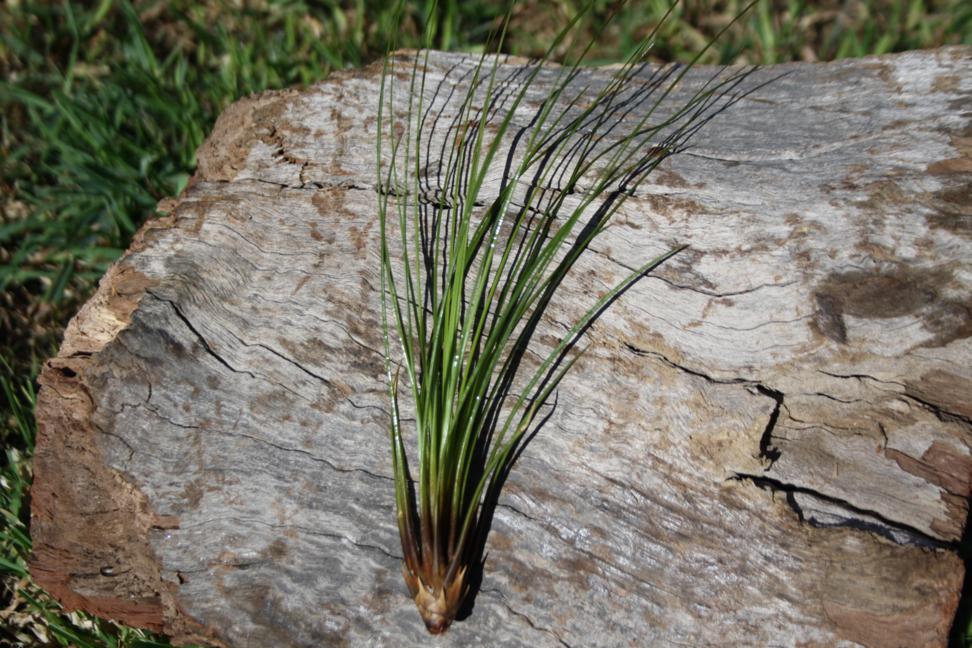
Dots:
pixel 879 524
pixel 505 603
pixel 943 414
pixel 693 372
pixel 767 450
pixel 310 531
pixel 202 340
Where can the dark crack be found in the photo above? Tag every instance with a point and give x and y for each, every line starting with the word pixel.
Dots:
pixel 702 291
pixel 290 360
pixel 942 414
pixel 859 518
pixel 310 455
pixel 117 437
pixel 693 372
pixel 716 294
pixel 304 185
pixel 302 529
pixel 767 451
pixel 377 408
pixel 834 398
pixel 168 419
pixel 878 524
pixel 503 601
pixel 199 336
pixel 226 226
pixel 209 350
pixel 859 377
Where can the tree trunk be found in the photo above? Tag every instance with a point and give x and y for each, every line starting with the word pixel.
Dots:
pixel 768 441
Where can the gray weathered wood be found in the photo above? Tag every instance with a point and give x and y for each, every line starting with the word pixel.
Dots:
pixel 768 442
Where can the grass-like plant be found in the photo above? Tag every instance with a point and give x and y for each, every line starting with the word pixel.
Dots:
pixel 474 264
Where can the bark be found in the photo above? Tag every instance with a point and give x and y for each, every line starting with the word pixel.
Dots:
pixel 768 441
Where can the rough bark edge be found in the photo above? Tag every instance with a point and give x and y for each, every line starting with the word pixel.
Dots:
pixel 89 521
pixel 252 118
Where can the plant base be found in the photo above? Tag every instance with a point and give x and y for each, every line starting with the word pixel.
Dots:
pixel 437 602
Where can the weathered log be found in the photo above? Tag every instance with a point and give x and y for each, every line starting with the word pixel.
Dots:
pixel 767 443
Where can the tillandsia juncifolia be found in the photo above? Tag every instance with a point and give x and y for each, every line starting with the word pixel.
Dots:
pixel 493 205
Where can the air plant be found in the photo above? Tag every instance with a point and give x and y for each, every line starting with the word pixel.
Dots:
pixel 494 207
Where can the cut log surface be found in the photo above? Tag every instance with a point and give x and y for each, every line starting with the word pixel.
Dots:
pixel 767 443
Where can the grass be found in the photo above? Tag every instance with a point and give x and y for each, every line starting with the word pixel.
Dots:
pixel 104 103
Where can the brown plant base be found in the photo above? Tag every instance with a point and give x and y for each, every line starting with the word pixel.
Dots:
pixel 438 602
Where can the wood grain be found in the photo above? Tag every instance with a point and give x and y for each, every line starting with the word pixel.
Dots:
pixel 768 442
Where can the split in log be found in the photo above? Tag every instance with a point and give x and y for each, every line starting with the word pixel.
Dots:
pixel 768 441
